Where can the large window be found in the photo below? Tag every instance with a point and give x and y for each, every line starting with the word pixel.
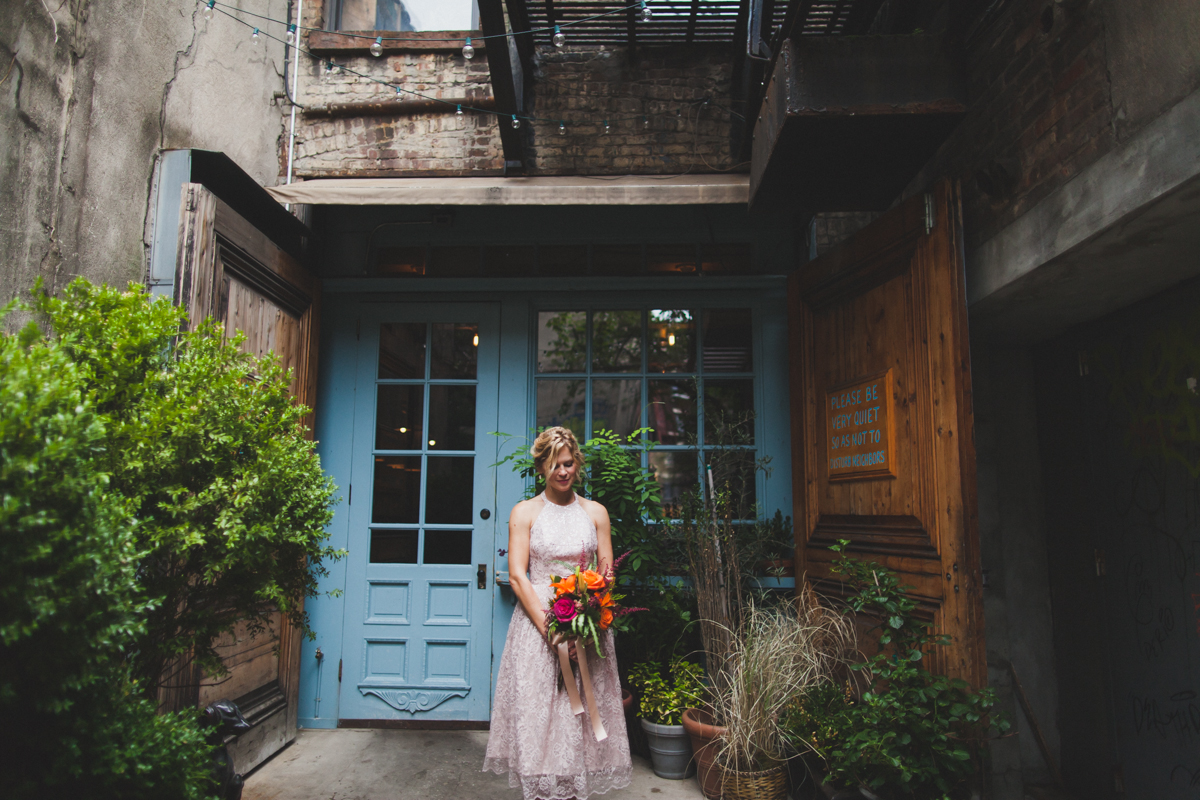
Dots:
pixel 677 371
pixel 407 15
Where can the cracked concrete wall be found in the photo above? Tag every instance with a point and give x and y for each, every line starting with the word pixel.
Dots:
pixel 90 94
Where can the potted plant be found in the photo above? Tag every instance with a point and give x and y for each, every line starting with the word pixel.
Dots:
pixel 704 735
pixel 910 732
pixel 663 699
pixel 780 653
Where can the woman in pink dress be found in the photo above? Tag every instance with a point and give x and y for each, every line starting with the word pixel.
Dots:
pixel 547 750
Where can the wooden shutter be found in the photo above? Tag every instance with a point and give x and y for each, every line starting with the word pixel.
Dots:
pixel 229 270
pixel 883 450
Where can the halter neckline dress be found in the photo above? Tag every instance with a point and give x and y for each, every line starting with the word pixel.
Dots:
pixel 547 751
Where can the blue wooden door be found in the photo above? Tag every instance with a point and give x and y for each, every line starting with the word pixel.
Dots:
pixel 417 630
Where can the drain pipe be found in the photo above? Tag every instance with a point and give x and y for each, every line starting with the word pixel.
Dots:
pixel 295 83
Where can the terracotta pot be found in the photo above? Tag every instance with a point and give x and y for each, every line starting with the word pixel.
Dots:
pixel 698 724
pixel 626 700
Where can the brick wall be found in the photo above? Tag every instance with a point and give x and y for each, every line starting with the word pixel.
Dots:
pixel 578 87
pixel 654 101
pixel 1040 111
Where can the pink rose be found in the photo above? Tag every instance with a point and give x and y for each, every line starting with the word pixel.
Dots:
pixel 564 609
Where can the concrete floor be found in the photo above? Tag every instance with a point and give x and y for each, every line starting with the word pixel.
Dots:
pixel 355 764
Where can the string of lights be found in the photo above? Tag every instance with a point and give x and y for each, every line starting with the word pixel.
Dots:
pixel 331 67
pixel 558 38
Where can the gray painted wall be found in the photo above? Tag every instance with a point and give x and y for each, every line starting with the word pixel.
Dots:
pixel 91 92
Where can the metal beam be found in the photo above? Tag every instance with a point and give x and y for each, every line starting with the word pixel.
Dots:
pixel 518 16
pixel 691 28
pixel 504 84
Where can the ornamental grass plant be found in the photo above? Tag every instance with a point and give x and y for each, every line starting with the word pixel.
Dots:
pixel 780 653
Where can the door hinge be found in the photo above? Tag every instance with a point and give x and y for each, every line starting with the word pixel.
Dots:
pixel 350 493
pixel 339 670
pixel 929 214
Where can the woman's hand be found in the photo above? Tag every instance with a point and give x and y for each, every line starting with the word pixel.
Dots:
pixel 557 638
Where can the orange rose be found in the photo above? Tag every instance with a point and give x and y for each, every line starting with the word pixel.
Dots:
pixel 565 586
pixel 594 580
pixel 606 618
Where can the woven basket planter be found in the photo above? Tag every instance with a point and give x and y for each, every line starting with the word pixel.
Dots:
pixel 770 784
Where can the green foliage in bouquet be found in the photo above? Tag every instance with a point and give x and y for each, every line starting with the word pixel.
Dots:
pixel 911 733
pixel 665 697
pixel 203 444
pixel 71 609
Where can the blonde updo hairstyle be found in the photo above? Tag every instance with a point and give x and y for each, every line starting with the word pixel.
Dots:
pixel 548 445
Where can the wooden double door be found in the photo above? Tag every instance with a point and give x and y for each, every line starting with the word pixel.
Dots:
pixel 883 451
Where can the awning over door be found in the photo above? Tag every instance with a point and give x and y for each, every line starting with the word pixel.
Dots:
pixel 564 190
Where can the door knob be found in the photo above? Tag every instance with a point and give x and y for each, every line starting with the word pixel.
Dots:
pixel 484 514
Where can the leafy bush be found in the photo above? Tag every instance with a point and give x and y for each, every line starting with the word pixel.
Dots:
pixel 70 607
pixel 203 443
pixel 663 701
pixel 911 732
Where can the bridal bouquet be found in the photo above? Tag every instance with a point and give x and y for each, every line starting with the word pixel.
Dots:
pixel 586 603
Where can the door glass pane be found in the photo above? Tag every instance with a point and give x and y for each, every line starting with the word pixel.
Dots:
pixel 562 341
pixel 397 490
pixel 617 406
pixel 561 402
pixel 671 341
pixel 734 471
pixel 447 547
pixel 455 350
pixel 671 411
pixel 450 489
pixel 675 471
pixel 617 341
pixel 727 340
pixel 398 417
pixel 451 417
pixel 402 350
pixel 393 547
pixel 730 401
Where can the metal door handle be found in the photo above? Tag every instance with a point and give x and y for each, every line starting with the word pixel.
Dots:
pixel 481 576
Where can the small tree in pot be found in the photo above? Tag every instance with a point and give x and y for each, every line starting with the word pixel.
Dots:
pixel 664 698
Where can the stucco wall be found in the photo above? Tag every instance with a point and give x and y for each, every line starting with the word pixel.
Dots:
pixel 91 93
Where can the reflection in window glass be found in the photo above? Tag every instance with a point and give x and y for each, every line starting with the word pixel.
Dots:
pixel 397 489
pixel 730 400
pixel 455 350
pixel 562 341
pixel 735 470
pixel 561 402
pixel 402 350
pixel 616 406
pixel 617 259
pixel 398 416
pixel 617 341
pixel 670 341
pixel 451 417
pixel 675 472
pixel 393 547
pixel 409 15
pixel 447 547
pixel 560 261
pixel 728 340
pixel 671 411
pixel 450 489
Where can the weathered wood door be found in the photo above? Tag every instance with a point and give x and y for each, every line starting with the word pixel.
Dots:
pixel 883 451
pixel 229 270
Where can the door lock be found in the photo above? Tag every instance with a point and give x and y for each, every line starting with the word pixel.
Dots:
pixel 481 576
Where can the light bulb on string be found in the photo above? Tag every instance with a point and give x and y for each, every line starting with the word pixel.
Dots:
pixel 562 127
pixel 516 123
pixel 671 339
pixel 559 38
pixel 468 49
pixel 377 47
pixel 458 113
pixel 646 14
pixel 208 9
pixel 291 34
pixel 254 36
pixel 645 123
pixel 606 128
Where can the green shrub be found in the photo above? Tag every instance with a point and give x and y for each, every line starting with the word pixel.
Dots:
pixel 664 697
pixel 70 605
pixel 203 443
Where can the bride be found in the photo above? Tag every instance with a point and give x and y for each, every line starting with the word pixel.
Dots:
pixel 548 751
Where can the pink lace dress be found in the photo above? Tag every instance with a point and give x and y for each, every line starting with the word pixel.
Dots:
pixel 545 749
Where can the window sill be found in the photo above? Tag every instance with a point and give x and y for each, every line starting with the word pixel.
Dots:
pixel 335 42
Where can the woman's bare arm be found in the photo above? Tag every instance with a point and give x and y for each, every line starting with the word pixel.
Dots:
pixel 519 523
